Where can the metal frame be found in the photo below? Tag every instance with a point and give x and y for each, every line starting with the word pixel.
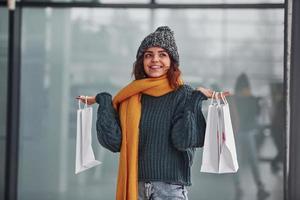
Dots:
pixel 285 93
pixel 13 105
pixel 293 175
pixel 14 70
pixel 150 5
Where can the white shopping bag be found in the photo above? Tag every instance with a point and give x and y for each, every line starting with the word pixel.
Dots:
pixel 85 158
pixel 228 157
pixel 219 151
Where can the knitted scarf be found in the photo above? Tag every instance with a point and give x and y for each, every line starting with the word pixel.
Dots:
pixel 127 103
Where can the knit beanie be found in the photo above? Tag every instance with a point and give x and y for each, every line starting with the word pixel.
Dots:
pixel 163 37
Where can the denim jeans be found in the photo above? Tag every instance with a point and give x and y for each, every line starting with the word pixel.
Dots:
pixel 154 190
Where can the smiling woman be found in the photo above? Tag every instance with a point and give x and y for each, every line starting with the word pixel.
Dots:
pixel 156 62
pixel 154 115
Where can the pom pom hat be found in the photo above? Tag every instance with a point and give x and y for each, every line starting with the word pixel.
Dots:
pixel 163 37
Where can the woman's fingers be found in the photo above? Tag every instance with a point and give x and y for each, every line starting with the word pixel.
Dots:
pixel 208 92
pixel 225 94
pixel 87 99
pixel 83 99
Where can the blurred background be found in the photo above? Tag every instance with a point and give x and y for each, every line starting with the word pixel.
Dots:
pixel 67 52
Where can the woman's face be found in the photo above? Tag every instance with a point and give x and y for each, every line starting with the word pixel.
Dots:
pixel 156 62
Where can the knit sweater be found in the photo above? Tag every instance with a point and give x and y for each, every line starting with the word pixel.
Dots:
pixel 171 127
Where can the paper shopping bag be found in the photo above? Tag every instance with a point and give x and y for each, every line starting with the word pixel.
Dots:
pixel 219 152
pixel 228 156
pixel 85 158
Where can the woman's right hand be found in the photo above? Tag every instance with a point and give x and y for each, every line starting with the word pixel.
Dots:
pixel 90 99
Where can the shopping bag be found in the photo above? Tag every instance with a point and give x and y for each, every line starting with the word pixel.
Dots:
pixel 85 158
pixel 228 157
pixel 219 151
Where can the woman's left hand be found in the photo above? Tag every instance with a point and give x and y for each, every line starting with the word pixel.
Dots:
pixel 208 92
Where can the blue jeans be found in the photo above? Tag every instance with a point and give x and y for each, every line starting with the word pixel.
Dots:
pixel 154 190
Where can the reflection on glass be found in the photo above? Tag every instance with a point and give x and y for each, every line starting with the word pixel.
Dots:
pixel 3 91
pixel 248 129
pixel 68 52
pixel 216 47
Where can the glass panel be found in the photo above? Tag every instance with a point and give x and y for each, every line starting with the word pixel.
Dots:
pixel 69 52
pixel 3 91
pixel 216 48
pixel 97 1
pixel 219 1
pixel 125 1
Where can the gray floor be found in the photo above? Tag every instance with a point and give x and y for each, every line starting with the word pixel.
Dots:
pixel 99 182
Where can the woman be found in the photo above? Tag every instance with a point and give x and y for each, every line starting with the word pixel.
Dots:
pixel 155 123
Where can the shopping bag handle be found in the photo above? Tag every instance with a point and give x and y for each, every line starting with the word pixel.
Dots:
pixel 224 98
pixel 218 100
pixel 212 98
pixel 85 105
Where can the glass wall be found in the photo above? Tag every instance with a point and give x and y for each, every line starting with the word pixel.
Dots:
pixel 3 91
pixel 70 52
pixel 240 51
pixel 65 53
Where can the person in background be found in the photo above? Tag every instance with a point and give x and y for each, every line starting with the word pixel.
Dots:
pixel 246 127
pixel 155 122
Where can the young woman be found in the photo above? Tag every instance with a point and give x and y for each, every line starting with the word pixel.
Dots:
pixel 155 123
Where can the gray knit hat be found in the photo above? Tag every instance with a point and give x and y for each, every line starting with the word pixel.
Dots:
pixel 163 37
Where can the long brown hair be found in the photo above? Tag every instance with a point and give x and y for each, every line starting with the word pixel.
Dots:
pixel 173 73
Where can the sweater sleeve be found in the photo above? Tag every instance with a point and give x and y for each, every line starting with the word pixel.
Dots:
pixel 188 122
pixel 108 124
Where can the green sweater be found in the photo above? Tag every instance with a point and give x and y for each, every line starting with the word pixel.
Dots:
pixel 171 127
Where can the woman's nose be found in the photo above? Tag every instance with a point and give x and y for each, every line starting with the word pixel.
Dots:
pixel 155 58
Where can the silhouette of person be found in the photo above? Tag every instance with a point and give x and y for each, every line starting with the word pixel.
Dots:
pixel 246 127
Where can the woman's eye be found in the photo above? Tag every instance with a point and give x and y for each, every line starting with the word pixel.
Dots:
pixel 161 55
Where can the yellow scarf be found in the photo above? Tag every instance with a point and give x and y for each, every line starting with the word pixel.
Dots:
pixel 128 103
